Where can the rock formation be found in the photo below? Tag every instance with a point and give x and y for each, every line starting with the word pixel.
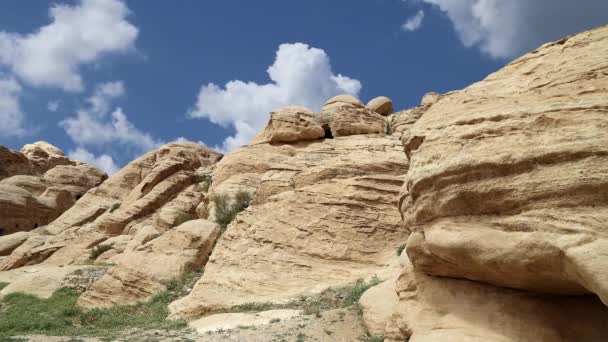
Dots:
pixel 323 212
pixel 499 190
pixel 507 189
pixel 38 184
pixel 131 216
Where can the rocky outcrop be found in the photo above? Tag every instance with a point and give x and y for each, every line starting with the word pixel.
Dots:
pixel 323 215
pixel 140 225
pixel 38 184
pixel 139 274
pixel 507 186
pixel 160 189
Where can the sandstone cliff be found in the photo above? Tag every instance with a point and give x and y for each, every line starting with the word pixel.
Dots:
pixel 323 212
pixel 507 189
pixel 38 184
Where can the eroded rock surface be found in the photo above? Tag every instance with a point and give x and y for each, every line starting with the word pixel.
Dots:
pixel 506 187
pixel 144 219
pixel 323 215
pixel 38 184
pixel 444 309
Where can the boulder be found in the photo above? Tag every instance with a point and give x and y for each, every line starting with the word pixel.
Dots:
pixel 381 105
pixel 344 115
pixel 291 124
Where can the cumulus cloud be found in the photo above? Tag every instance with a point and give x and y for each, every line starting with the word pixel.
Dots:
pixel 100 124
pixel 300 75
pixel 104 161
pixel 11 116
pixel 506 29
pixel 77 35
pixel 413 23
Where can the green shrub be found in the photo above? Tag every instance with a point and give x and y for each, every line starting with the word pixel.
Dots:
pixel 252 307
pixel 99 250
pixel 352 294
pixel 23 314
pixel 204 181
pixel 114 207
pixel 3 285
pixel 400 250
pixel 375 339
pixel 388 130
pixel 227 208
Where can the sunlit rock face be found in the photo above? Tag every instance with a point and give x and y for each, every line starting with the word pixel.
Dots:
pixel 507 189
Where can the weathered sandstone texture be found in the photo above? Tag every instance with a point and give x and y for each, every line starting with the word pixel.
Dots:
pixel 444 309
pixel 146 216
pixel 291 124
pixel 38 184
pixel 323 214
pixel 507 188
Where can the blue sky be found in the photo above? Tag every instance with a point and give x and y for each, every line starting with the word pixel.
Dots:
pixel 106 80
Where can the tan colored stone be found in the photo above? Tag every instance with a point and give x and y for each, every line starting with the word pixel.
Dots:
pixel 435 309
pixel 139 274
pixel 349 99
pixel 13 163
pixel 229 321
pixel 44 156
pixel 507 177
pixel 290 124
pixel 381 105
pixel 38 196
pixel 38 280
pixel 344 115
pixel 300 243
pixel 143 235
pixel 377 305
pixel 8 243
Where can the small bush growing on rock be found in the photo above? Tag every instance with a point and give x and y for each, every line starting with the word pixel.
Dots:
pixel 227 208
pixel 99 250
pixel 375 339
pixel 252 307
pixel 204 181
pixel 354 293
pixel 3 285
pixel 400 250
pixel 114 207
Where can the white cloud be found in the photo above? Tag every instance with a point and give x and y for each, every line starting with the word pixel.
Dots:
pixel 53 106
pixel 98 125
pixel 11 116
pixel 77 35
pixel 413 23
pixel 506 29
pixel 300 75
pixel 104 161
